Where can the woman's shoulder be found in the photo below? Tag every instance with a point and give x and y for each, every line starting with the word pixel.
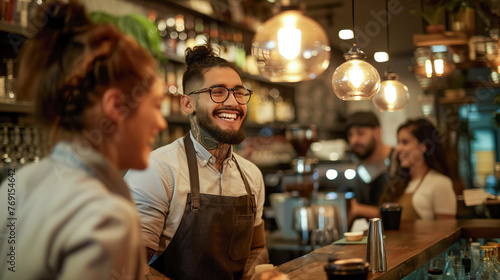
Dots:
pixel 438 179
pixel 435 175
pixel 51 181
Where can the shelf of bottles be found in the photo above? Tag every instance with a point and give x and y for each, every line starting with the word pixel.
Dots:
pixel 21 144
pixel 467 259
pixel 14 14
pixel 7 83
pixel 14 17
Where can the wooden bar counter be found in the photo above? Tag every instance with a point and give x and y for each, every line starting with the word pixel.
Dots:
pixel 407 249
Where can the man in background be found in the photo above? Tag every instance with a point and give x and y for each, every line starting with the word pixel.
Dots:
pixel 365 139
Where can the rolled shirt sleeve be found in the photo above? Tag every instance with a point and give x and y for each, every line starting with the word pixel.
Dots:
pixel 151 200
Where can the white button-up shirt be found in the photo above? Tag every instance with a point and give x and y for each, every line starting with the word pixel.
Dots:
pixel 160 191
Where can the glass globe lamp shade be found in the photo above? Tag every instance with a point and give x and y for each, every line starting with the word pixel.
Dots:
pixel 355 79
pixel 291 47
pixel 393 95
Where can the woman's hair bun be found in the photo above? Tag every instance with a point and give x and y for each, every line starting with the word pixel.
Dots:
pixel 199 53
pixel 63 17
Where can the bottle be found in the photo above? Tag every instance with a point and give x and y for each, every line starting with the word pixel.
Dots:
pixel 224 43
pixel 466 263
pixel 199 28
pixel 214 37
pixel 22 7
pixel 180 27
pixel 10 82
pixel 449 272
pixel 435 274
pixel 172 34
pixel 191 32
pixel 162 31
pixel 486 270
pixel 232 50
pixel 2 88
pixel 475 257
pixel 179 73
pixel 241 54
pixel 494 255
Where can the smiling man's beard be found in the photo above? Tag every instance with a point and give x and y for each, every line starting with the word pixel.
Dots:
pixel 369 150
pixel 220 135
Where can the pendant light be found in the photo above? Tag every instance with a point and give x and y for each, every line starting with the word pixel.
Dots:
pixel 355 79
pixel 291 47
pixel 393 95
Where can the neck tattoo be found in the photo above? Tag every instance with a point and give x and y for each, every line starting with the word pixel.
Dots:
pixel 218 150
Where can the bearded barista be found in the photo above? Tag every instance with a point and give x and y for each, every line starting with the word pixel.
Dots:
pixel 200 203
pixel 365 139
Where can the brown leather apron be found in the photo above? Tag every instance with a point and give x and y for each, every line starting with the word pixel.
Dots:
pixel 408 213
pixel 215 234
pixel 406 201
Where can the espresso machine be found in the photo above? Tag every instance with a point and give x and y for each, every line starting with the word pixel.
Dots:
pixel 300 215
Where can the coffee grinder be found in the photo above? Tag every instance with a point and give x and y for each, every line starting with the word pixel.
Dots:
pixel 301 182
pixel 302 179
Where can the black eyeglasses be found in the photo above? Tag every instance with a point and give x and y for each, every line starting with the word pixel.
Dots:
pixel 219 94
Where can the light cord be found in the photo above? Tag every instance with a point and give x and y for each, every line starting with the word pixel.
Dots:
pixel 353 25
pixel 387 30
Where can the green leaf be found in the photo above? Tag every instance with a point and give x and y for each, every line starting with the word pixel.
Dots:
pixel 138 27
pixel 102 17
pixel 432 15
pixel 152 35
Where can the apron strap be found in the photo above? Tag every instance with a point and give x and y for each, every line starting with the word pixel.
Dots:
pixel 194 179
pixel 193 174
pixel 247 186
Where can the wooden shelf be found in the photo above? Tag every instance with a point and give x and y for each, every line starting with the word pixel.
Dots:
pixel 178 120
pixel 447 38
pixel 175 58
pixel 178 6
pixel 20 107
pixel 13 28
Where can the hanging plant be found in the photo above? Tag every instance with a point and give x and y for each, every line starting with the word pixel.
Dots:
pixel 138 27
pixel 433 14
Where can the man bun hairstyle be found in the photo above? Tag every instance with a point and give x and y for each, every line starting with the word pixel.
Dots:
pixel 199 59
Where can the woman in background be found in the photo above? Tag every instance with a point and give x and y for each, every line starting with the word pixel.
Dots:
pixel 421 183
pixel 98 94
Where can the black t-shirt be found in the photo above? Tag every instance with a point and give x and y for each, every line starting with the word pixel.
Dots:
pixel 369 193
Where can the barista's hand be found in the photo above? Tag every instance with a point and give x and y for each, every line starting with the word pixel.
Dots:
pixel 353 212
pixel 358 210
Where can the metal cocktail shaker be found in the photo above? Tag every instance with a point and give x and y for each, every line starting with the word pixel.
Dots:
pixel 375 248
